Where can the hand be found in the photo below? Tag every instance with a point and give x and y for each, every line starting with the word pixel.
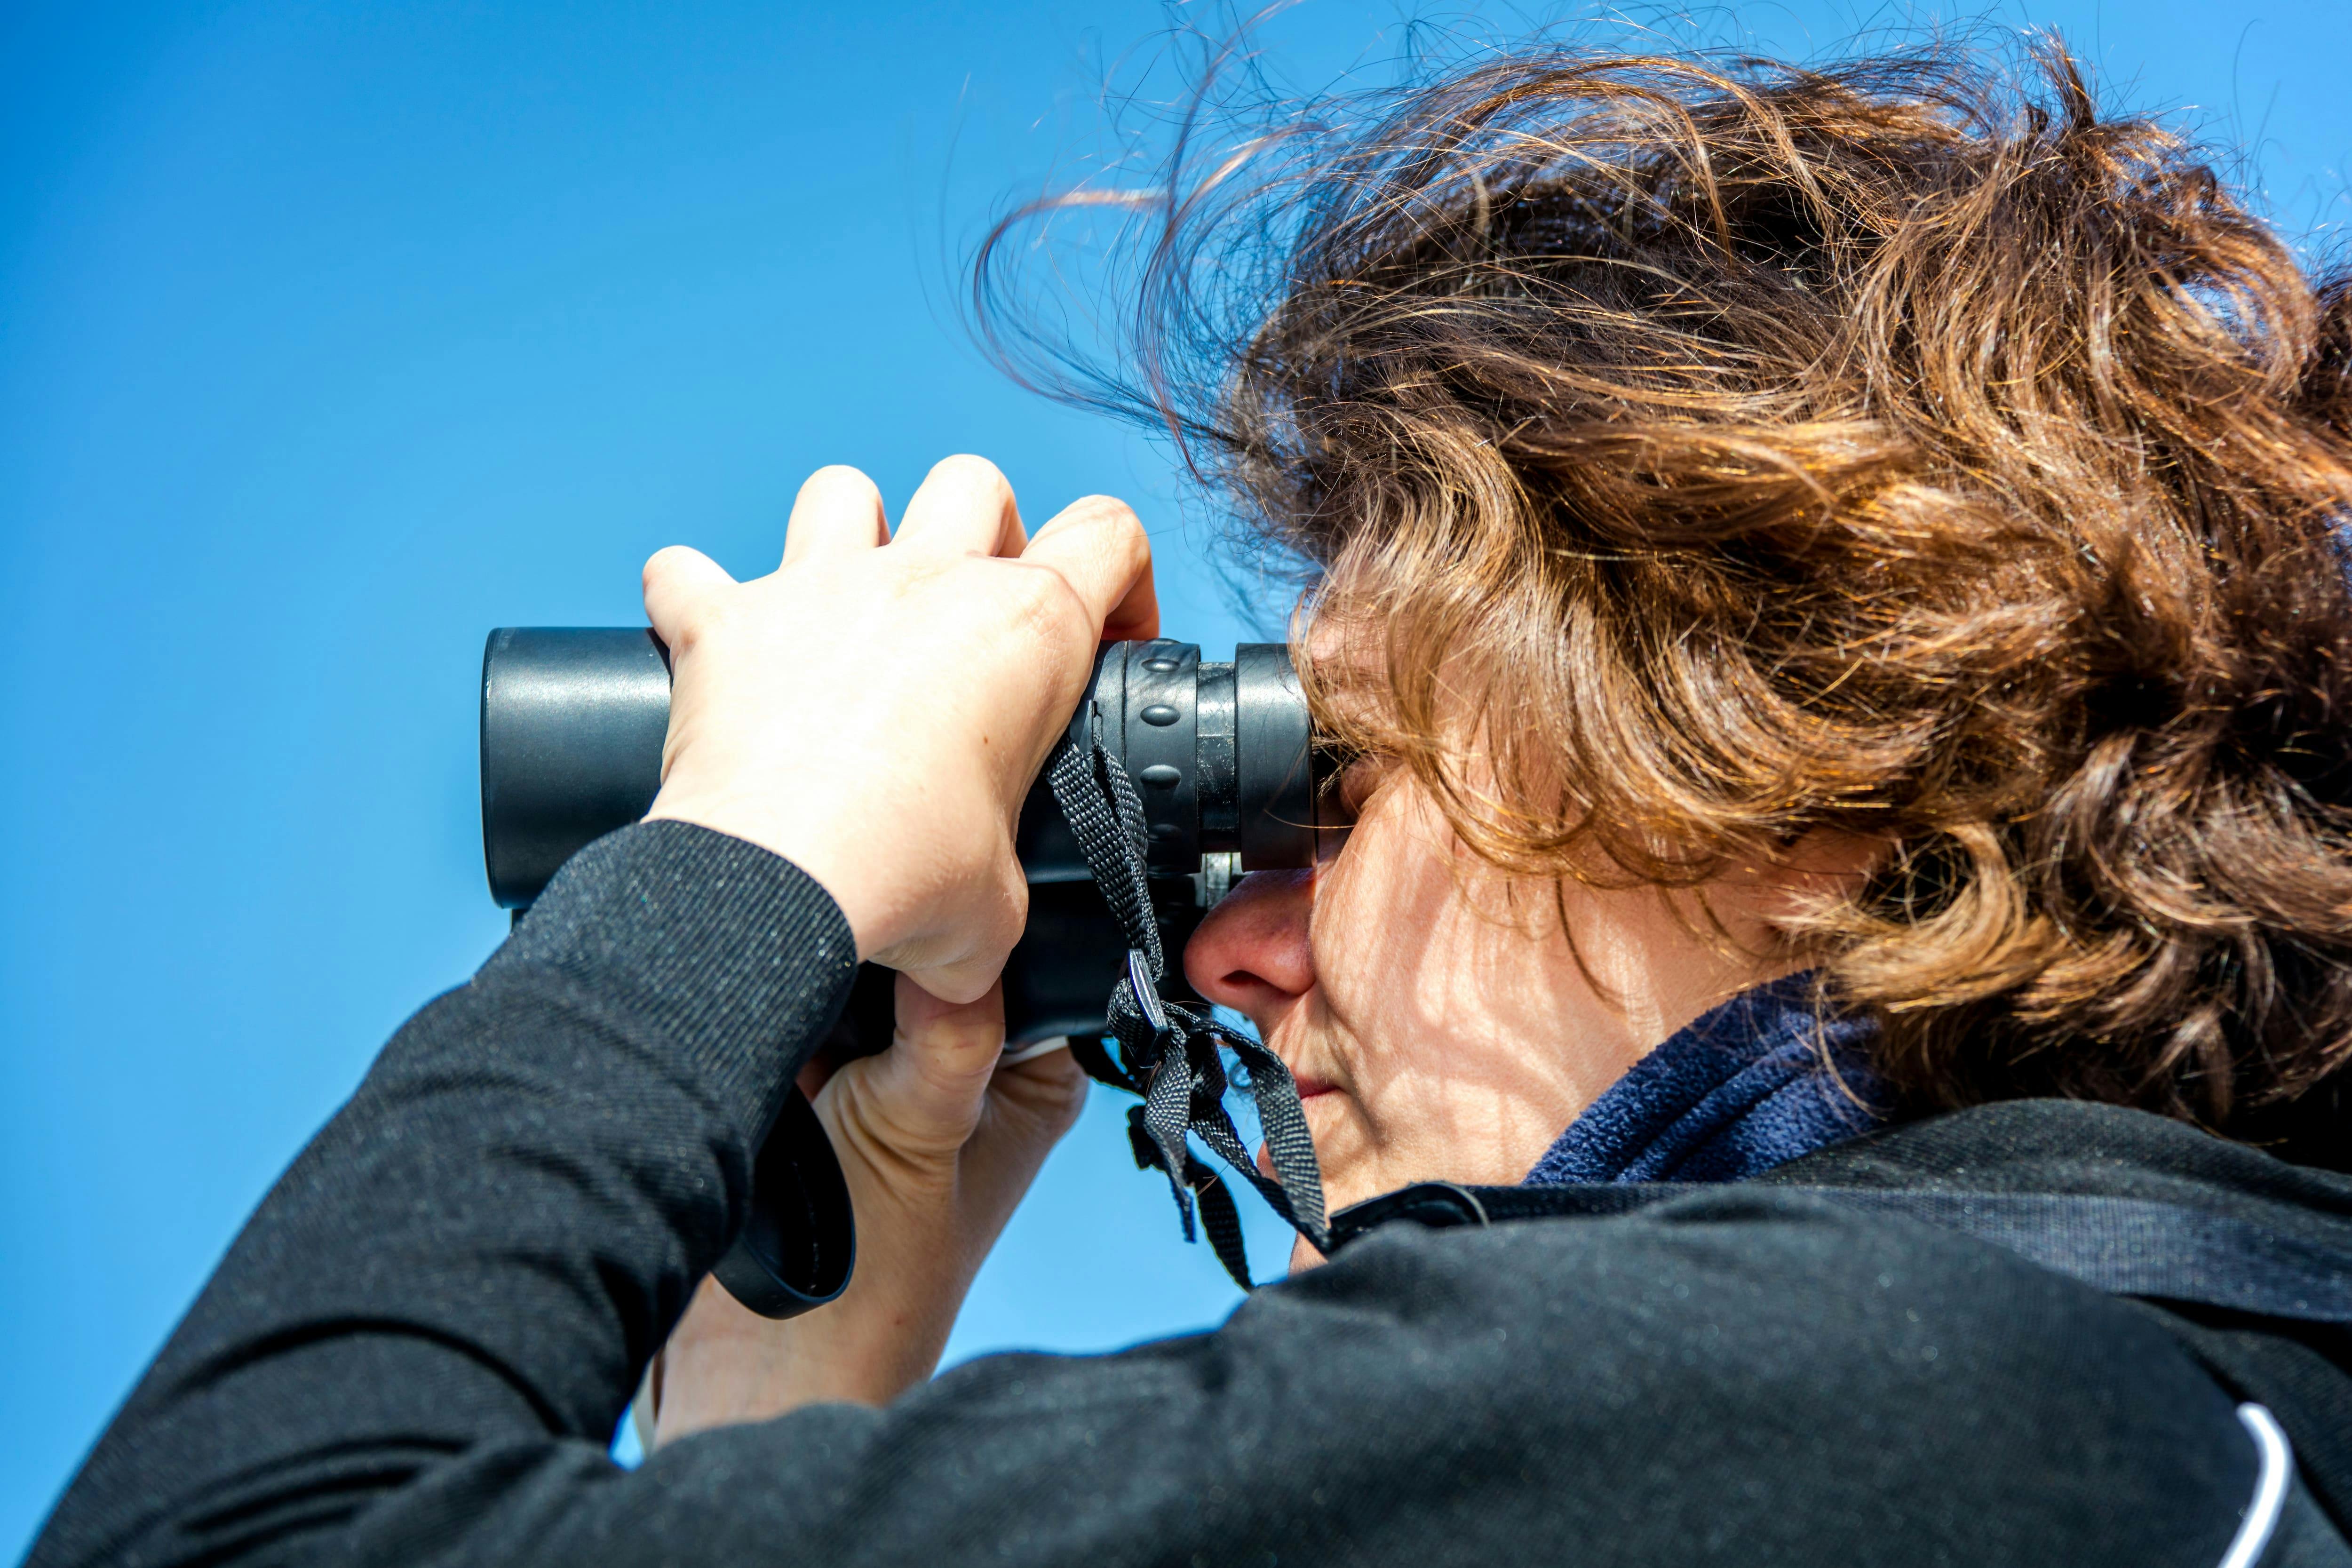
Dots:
pixel 937 1140
pixel 874 712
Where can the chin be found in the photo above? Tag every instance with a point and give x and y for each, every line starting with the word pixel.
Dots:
pixel 1349 1176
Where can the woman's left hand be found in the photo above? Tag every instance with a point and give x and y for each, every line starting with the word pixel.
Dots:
pixel 938 1140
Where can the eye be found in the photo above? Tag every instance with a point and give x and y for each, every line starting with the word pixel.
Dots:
pixel 1351 790
pixel 1358 780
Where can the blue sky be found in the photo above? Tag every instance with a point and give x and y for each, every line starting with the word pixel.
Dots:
pixel 332 335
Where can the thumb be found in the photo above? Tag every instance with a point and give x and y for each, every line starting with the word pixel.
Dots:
pixel 920 1100
pixel 1031 1104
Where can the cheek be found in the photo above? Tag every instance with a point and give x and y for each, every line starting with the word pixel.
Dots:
pixel 1467 1034
pixel 1377 908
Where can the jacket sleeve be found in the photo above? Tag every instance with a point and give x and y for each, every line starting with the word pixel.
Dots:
pixel 415 1351
pixel 485 1245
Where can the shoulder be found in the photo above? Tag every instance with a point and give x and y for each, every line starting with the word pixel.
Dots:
pixel 1770 1365
pixel 1745 1378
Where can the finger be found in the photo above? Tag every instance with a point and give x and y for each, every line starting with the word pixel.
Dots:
pixel 837 510
pixel 1030 1106
pixel 681 585
pixel 1099 547
pixel 1037 1097
pixel 936 1074
pixel 964 507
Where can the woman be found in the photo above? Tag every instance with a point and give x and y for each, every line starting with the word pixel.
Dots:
pixel 1831 584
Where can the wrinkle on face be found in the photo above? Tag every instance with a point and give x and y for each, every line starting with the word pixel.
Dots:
pixel 1458 1017
pixel 1448 1015
pixel 1465 1039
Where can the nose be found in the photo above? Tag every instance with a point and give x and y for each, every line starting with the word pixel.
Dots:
pixel 1251 953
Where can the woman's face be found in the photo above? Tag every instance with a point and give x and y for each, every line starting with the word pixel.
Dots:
pixel 1434 1011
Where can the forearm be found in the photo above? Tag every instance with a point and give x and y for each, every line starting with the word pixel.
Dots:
pixel 490 1240
pixel 461 1277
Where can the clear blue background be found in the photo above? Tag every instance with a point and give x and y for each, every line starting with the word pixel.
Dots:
pixel 332 335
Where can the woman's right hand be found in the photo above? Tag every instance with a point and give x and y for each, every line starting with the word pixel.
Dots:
pixel 876 709
pixel 938 1138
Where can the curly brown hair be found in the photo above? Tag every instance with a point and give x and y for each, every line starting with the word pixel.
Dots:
pixel 1902 447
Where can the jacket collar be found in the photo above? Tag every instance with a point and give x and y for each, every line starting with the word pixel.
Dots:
pixel 1771 1076
pixel 2126 1202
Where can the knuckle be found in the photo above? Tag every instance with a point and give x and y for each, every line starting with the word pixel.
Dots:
pixel 984 480
pixel 842 479
pixel 970 466
pixel 1111 524
pixel 1107 511
pixel 1049 604
pixel 839 485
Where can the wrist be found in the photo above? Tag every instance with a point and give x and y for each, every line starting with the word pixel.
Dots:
pixel 724 1364
pixel 719 950
pixel 788 835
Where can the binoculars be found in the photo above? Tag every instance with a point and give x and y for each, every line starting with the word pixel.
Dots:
pixel 1224 764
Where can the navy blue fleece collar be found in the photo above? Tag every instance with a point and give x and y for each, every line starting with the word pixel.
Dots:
pixel 1738 1091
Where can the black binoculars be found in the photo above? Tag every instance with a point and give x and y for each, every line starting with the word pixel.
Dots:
pixel 1224 764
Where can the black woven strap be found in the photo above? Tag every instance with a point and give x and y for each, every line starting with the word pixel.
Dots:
pixel 2174 1251
pixel 1170 1052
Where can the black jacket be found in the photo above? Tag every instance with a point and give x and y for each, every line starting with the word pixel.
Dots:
pixel 417 1348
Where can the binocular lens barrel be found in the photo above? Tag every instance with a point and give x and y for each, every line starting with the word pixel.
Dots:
pixel 573 723
pixel 573 719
